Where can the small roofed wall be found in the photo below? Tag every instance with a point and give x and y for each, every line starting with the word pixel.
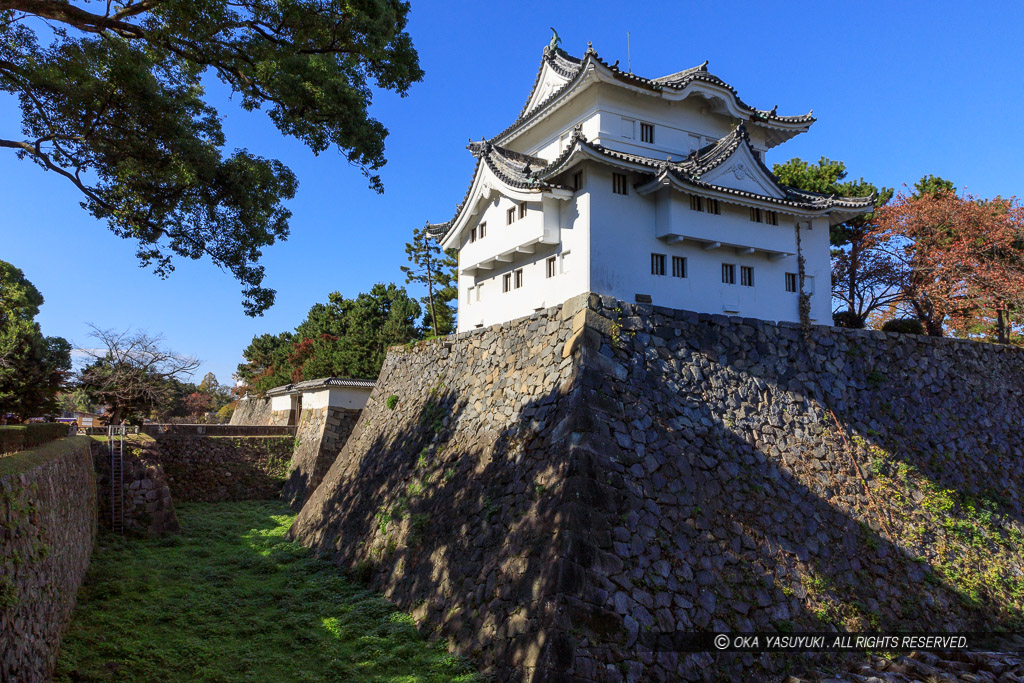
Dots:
pixel 349 398
pixel 47 530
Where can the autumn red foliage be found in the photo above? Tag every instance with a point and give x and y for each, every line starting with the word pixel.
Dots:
pixel 960 260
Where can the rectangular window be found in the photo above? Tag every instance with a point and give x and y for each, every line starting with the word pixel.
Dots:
pixel 519 278
pixel 657 264
pixel 551 266
pixel 678 266
pixel 482 230
pixel 510 216
pixel 472 235
pixel 522 210
pixel 565 262
pixel 479 291
pixel 711 206
pixel 771 217
pixel 506 282
pixel 746 276
pixel 729 273
pixel 756 215
pixel 696 203
pixel 790 282
pixel 647 133
pixel 619 183
pixel 469 295
pixel 577 180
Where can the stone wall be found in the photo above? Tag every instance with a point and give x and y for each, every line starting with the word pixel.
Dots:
pixel 561 494
pixel 147 506
pixel 47 531
pixel 215 468
pixel 320 437
pixel 156 429
pixel 254 410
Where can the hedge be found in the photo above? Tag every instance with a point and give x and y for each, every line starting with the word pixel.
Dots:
pixel 16 438
pixel 904 326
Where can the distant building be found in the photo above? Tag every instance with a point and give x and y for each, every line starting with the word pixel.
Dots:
pixel 327 392
pixel 649 190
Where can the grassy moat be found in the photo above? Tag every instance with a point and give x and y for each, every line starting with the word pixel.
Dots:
pixel 231 600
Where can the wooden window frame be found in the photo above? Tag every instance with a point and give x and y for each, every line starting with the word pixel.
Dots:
pixel 679 266
pixel 657 264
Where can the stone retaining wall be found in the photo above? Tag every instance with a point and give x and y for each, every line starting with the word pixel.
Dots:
pixel 217 430
pixel 320 437
pixel 558 495
pixel 254 410
pixel 215 468
pixel 47 532
pixel 148 509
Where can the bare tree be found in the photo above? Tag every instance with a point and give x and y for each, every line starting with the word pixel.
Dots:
pixel 131 370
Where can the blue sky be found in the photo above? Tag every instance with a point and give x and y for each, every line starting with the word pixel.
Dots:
pixel 900 90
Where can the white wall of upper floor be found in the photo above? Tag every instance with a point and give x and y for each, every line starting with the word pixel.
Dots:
pixel 624 236
pixel 482 299
pixel 611 116
pixel 605 244
pixel 350 398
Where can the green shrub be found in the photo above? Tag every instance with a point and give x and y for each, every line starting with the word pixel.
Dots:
pixel 391 402
pixel 904 326
pixel 14 438
pixel 848 319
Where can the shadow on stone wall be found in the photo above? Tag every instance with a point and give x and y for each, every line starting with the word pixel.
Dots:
pixel 689 485
pixel 212 469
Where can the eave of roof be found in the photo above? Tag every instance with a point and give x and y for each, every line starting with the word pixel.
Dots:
pixel 575 70
pixel 527 172
pixel 320 383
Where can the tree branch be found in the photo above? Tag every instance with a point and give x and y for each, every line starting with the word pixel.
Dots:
pixel 72 16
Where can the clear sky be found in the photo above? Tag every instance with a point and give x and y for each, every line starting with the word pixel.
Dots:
pixel 900 89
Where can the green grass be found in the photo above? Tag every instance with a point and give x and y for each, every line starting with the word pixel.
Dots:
pixel 232 600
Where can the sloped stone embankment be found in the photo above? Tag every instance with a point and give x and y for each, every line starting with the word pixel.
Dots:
pixel 561 496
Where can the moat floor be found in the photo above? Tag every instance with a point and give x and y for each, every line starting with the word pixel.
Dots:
pixel 232 600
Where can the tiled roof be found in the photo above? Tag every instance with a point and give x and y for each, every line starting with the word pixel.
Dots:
pixel 308 384
pixel 690 170
pixel 524 171
pixel 573 69
pixel 512 168
pixel 334 382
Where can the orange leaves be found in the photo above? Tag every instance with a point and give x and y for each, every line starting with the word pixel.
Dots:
pixel 961 258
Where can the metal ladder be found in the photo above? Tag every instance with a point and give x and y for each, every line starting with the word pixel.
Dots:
pixel 116 478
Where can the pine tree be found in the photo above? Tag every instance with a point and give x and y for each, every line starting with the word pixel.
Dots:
pixel 437 271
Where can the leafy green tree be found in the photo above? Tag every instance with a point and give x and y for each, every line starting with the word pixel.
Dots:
pixel 113 102
pixel 340 338
pixel 74 401
pixel 218 394
pixel 862 279
pixel 438 272
pixel 266 362
pixel 33 368
pixel 19 298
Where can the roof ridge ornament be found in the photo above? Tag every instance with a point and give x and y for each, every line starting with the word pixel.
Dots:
pixel 555 40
